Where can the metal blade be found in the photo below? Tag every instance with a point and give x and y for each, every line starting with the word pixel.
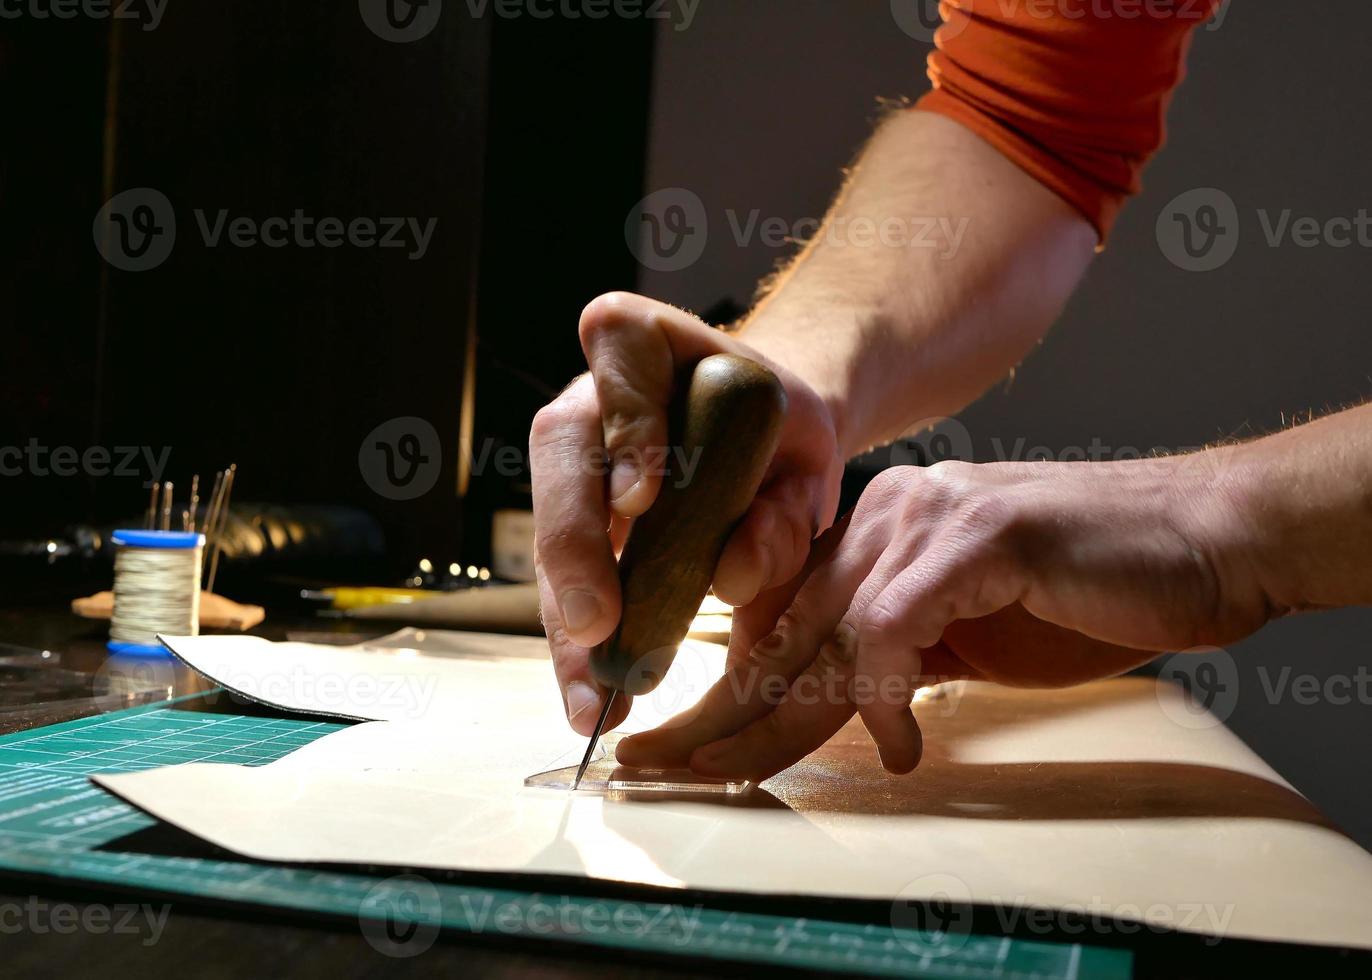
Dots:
pixel 595 739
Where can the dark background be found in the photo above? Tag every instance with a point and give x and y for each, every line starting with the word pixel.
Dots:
pixel 530 141
pixel 760 104
pixel 522 139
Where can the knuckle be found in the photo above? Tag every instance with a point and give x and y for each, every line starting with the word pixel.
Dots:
pixel 953 472
pixel 548 422
pixel 772 729
pixel 560 545
pixel 604 315
pixel 560 644
pixel 627 428
pixel 987 513
pixel 840 650
pixel 879 627
pixel 793 624
pixel 887 485
pixel 769 651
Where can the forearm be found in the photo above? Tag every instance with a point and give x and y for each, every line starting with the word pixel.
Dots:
pixel 938 268
pixel 1304 501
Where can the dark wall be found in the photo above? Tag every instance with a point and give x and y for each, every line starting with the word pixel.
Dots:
pixel 287 257
pixel 759 105
pixel 513 144
pixel 568 134
pixel 50 167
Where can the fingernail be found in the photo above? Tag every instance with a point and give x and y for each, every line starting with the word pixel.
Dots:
pixel 581 698
pixel 842 646
pixel 630 752
pixel 623 478
pixel 766 565
pixel 580 610
pixel 742 585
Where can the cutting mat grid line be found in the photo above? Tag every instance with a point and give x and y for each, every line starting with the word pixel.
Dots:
pixel 54 822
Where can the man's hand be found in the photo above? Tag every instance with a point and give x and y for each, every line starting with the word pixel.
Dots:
pixel 614 421
pixel 1031 575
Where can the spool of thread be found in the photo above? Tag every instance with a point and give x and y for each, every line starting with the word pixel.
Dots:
pixel 156 588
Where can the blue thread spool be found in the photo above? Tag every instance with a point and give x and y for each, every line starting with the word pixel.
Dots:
pixel 156 588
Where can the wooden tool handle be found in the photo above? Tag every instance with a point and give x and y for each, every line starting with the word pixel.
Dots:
pixel 724 428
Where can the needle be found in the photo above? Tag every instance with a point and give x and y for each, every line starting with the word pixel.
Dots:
pixel 225 492
pixel 595 740
pixel 195 502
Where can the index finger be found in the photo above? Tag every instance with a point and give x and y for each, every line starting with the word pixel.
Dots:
pixel 755 684
pixel 571 519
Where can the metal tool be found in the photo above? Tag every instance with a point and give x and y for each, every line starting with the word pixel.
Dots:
pixel 727 418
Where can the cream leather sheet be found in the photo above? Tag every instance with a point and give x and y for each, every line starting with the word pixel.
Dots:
pixel 1114 799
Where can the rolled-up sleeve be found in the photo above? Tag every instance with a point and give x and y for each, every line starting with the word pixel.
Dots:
pixel 1073 91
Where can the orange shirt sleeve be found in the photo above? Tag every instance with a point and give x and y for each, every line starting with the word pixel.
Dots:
pixel 1073 91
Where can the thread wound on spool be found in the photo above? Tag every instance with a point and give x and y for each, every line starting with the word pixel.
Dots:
pixel 156 585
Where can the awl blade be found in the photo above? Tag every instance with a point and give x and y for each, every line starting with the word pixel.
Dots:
pixel 595 740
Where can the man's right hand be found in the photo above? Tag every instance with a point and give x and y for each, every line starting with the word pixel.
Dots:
pixel 615 418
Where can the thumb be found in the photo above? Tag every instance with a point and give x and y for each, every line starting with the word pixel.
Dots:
pixel 634 347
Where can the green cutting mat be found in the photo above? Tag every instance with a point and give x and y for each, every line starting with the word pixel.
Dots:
pixel 52 820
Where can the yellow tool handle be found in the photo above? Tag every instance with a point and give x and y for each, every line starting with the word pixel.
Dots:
pixel 725 425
